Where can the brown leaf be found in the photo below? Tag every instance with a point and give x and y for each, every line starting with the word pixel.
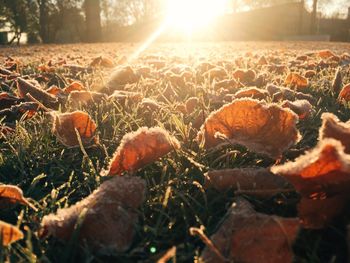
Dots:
pixel 13 194
pixel 108 216
pixel 244 76
pixel 191 104
pixel 319 175
pixel 301 107
pixel 66 124
pixel 337 81
pixel 325 54
pixel 253 93
pixel 140 148
pixel 9 233
pixel 344 93
pixel 74 86
pixel 24 87
pixel 332 127
pixel 263 128
pixel 256 180
pixel 7 100
pixel 122 76
pixel 85 97
pixel 250 237
pixel 297 80
pixel 102 62
pixel 16 112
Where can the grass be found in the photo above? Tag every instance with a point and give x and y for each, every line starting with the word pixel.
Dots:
pixel 53 176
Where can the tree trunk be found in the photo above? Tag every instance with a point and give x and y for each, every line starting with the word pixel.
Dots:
pixel 93 20
pixel 44 20
pixel 313 17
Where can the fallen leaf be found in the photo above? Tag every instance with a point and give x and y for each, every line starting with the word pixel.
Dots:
pixel 262 128
pixel 325 54
pixel 85 97
pixel 332 127
pixel 301 107
pixel 253 93
pixel 102 62
pixel 297 80
pixel 337 81
pixel 74 86
pixel 9 233
pixel 24 88
pixel 122 76
pixel 65 126
pixel 107 216
pixel 344 94
pixel 320 176
pixel 16 112
pixel 140 148
pixel 191 104
pixel 250 237
pixel 7 100
pixel 256 180
pixel 13 194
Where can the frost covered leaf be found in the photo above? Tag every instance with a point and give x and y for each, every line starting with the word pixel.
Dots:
pixel 250 237
pixel 140 148
pixel 344 94
pixel 191 104
pixel 85 97
pixel 255 180
pixel 244 76
pixel 7 100
pixel 9 233
pixel 110 216
pixel 332 127
pixel 16 112
pixel 13 194
pixel 74 86
pixel 65 126
pixel 337 81
pixel 122 76
pixel 297 80
pixel 301 107
pixel 28 91
pixel 320 176
pixel 325 54
pixel 102 62
pixel 253 92
pixel 263 128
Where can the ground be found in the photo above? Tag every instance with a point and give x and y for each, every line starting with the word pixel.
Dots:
pixel 54 176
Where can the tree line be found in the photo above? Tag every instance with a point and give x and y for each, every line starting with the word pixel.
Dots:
pixel 52 21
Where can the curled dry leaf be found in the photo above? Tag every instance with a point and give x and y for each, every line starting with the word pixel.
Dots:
pixel 244 76
pixel 102 62
pixel 9 233
pixel 85 97
pixel 7 100
pixel 16 112
pixel 122 76
pixel 24 87
pixel 297 80
pixel 250 237
pixel 253 93
pixel 337 81
pixel 344 94
pixel 320 176
pixel 257 180
pixel 191 104
pixel 282 93
pixel 140 148
pixel 74 86
pixel 65 126
pixel 150 104
pixel 332 127
pixel 121 96
pixel 54 90
pixel 301 107
pixel 216 73
pixel 108 216
pixel 310 74
pixel 263 128
pixel 325 54
pixel 13 194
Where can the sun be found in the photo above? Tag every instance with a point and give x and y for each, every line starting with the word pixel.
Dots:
pixel 192 15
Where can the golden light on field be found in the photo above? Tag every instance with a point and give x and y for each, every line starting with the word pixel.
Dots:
pixel 187 16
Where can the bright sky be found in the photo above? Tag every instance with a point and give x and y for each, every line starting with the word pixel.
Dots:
pixel 333 7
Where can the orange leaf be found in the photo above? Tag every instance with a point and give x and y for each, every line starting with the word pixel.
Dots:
pixel 253 92
pixel 66 124
pixel 9 233
pixel 318 175
pixel 85 97
pixel 108 216
pixel 248 236
pixel 245 76
pixel 332 127
pixel 296 80
pixel 140 148
pixel 13 194
pixel 344 93
pixel 325 54
pixel 263 128
pixel 74 86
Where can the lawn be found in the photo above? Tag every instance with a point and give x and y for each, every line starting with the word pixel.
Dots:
pixel 53 175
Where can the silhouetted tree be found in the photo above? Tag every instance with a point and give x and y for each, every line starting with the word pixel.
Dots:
pixel 93 20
